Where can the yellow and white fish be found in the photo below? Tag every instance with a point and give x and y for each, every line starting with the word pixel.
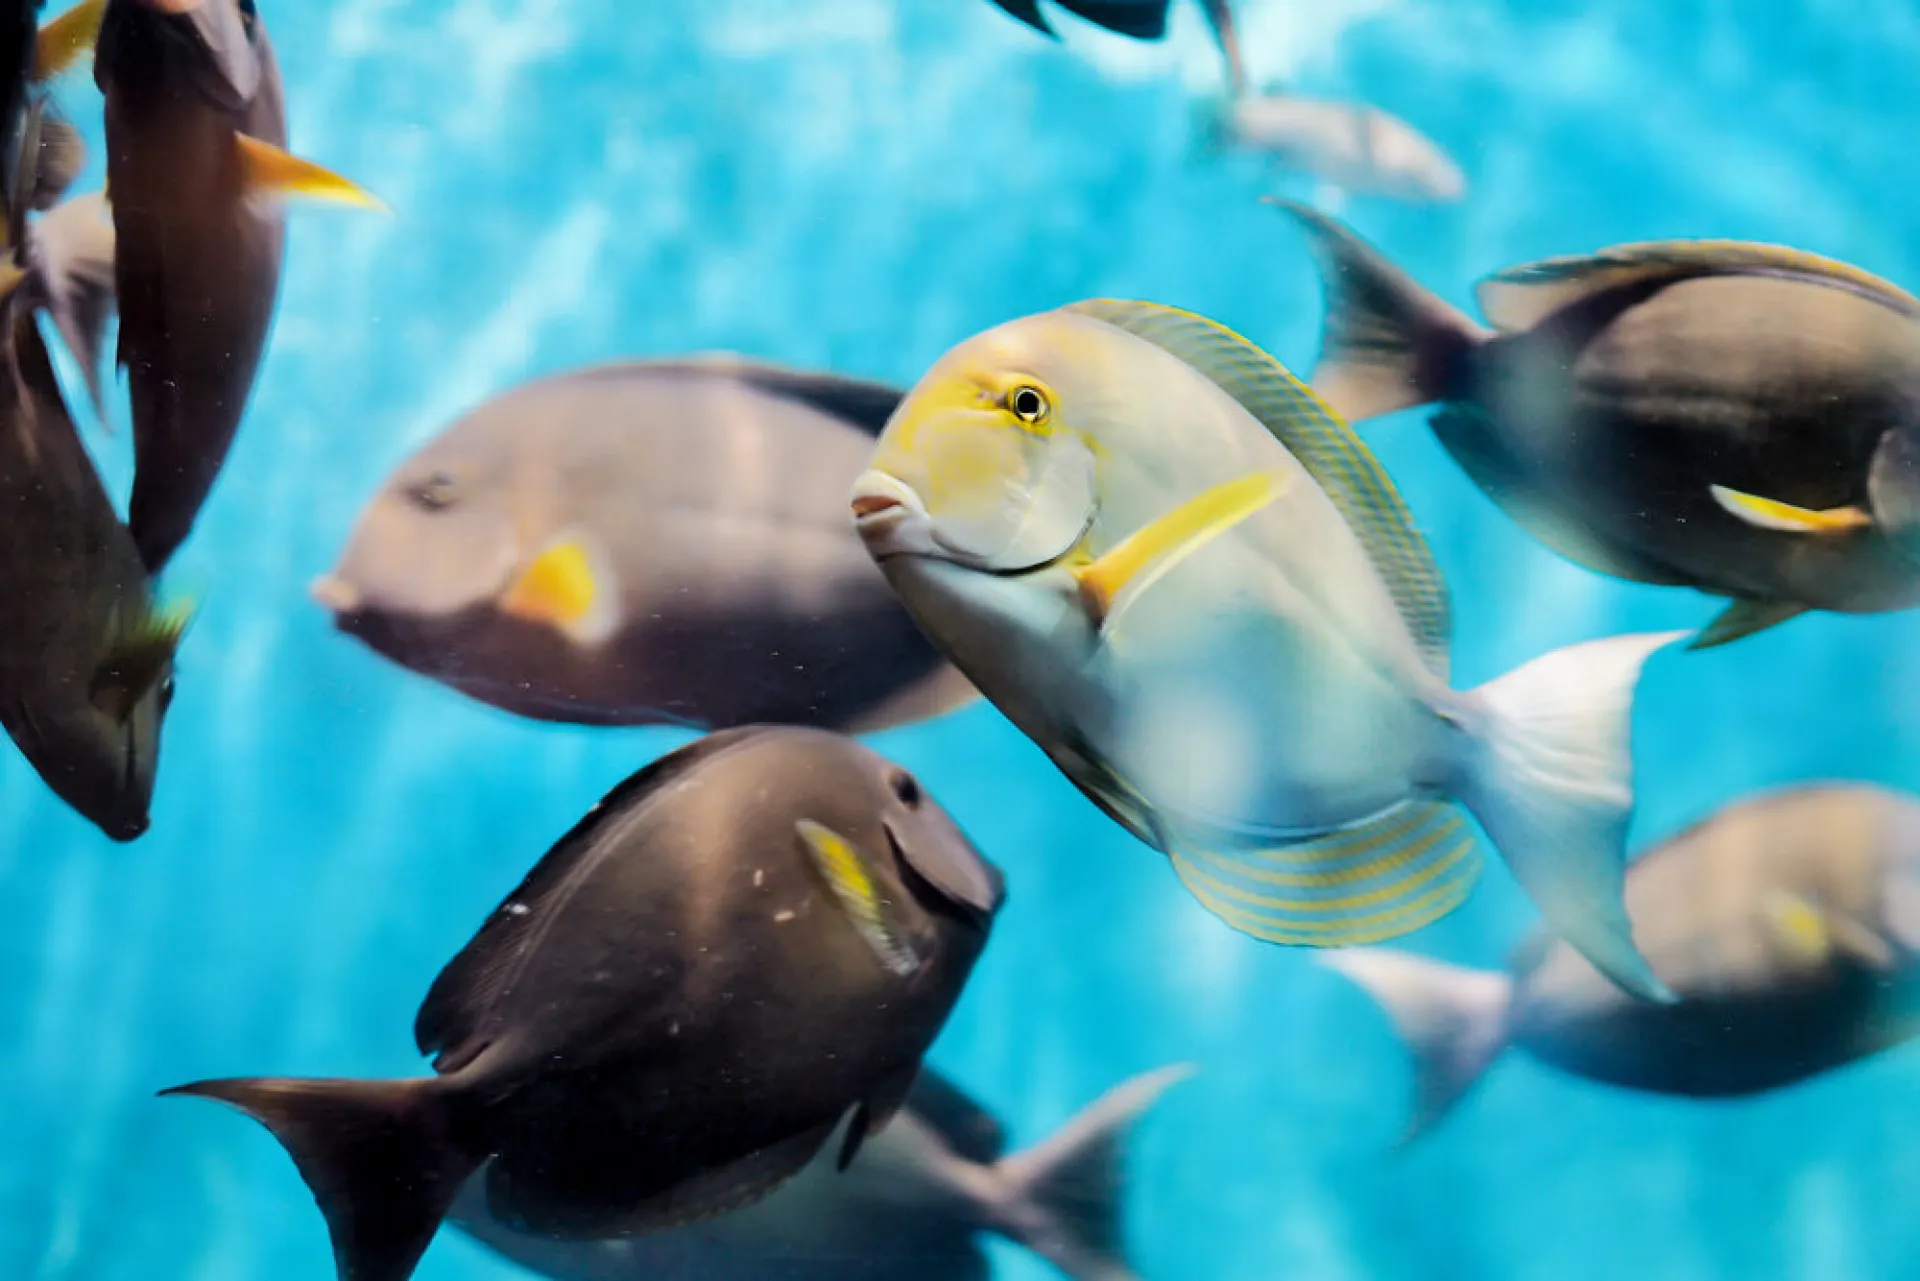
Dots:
pixel 1177 572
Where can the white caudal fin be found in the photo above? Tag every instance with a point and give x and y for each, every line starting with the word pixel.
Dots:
pixel 1550 777
pixel 1453 1021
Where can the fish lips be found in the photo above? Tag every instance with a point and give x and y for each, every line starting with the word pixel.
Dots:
pixel 893 521
pixel 891 518
pixel 226 64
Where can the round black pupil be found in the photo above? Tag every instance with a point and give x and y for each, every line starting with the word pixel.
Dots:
pixel 1026 403
pixel 906 789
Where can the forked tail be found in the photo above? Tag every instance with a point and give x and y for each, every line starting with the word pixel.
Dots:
pixel 379 1157
pixel 1550 777
pixel 1062 1199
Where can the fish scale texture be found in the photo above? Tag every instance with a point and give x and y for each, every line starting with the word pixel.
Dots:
pixel 858 184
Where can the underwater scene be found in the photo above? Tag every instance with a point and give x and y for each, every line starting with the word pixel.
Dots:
pixel 931 640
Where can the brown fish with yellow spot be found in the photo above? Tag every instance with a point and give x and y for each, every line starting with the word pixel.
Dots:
pixel 743 951
pixel 1743 419
pixel 646 542
pixel 1788 924
pixel 196 136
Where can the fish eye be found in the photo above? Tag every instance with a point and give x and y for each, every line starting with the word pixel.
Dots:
pixel 166 693
pixel 906 789
pixel 1029 404
pixel 435 492
pixel 248 15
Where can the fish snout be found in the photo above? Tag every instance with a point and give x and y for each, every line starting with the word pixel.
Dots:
pixel 128 827
pixel 336 595
pixel 890 516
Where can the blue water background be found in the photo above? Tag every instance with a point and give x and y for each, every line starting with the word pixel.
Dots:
pixel 857 184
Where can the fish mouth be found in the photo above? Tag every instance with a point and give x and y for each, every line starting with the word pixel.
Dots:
pixel 335 594
pixel 890 517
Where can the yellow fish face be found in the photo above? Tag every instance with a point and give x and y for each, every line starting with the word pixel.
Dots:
pixel 982 462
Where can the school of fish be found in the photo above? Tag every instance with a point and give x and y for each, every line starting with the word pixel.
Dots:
pixel 693 1043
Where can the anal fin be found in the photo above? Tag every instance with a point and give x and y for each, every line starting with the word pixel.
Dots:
pixel 1376 880
pixel 1744 618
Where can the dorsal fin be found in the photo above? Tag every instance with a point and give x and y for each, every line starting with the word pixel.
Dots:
pixel 451 1018
pixel 1521 297
pixel 1337 460
pixel 855 401
pixel 973 1133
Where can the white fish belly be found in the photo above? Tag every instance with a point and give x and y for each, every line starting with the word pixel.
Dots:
pixel 1254 726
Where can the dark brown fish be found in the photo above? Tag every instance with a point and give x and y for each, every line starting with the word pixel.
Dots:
pixel 748 942
pixel 86 655
pixel 1789 925
pixel 911 1207
pixel 196 130
pixel 1742 419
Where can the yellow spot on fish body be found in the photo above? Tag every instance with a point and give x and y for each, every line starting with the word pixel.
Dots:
pixel 557 588
pixel 1799 926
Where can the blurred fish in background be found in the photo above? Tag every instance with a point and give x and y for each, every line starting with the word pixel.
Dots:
pixel 659 542
pixel 1788 924
pixel 1738 418
pixel 1351 148
pixel 910 1207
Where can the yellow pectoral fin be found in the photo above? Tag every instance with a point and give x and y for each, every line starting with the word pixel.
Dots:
pixel 64 40
pixel 844 868
pixel 271 171
pixel 557 588
pixel 1153 549
pixel 1770 513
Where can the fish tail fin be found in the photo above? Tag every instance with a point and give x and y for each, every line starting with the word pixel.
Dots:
pixel 379 1157
pixel 1550 778
pixel 1062 1198
pixel 1452 1019
pixel 72 254
pixel 1388 343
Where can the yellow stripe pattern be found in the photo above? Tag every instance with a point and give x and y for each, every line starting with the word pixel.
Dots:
pixel 1363 884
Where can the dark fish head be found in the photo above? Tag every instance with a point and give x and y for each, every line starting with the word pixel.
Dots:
pixel 216 45
pixel 1893 489
pixel 932 858
pixel 99 753
pixel 438 540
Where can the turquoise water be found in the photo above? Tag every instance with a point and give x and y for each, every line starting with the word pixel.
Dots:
pixel 856 185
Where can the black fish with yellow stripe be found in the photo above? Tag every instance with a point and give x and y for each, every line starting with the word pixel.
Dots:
pixel 196 164
pixel 744 950
pixel 1743 419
